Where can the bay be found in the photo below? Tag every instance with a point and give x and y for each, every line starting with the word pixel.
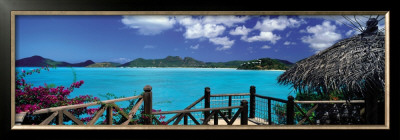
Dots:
pixel 173 88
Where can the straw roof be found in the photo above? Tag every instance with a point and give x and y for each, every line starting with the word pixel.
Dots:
pixel 353 66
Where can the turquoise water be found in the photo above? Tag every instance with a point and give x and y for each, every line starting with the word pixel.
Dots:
pixel 173 88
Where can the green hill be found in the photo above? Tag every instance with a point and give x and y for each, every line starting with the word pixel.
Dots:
pixel 176 61
pixel 104 64
pixel 229 64
pixel 266 64
pixel 170 61
pixel 38 61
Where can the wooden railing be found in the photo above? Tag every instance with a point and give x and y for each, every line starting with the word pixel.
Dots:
pixel 316 104
pixel 215 112
pixel 254 107
pixel 107 105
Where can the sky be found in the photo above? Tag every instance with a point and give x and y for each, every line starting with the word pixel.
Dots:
pixel 122 39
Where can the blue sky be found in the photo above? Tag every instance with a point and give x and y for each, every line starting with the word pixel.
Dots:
pixel 206 38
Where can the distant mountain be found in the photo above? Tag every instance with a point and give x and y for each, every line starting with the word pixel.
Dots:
pixel 104 64
pixel 38 61
pixel 229 64
pixel 266 64
pixel 83 64
pixel 169 61
pixel 285 62
pixel 176 61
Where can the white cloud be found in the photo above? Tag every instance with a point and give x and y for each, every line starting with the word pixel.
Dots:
pixel 288 34
pixel 323 36
pixel 289 43
pixel 280 23
pixel 342 21
pixel 350 33
pixel 149 25
pixel 241 30
pixel 149 47
pixel 266 47
pixel 226 20
pixel 210 27
pixel 207 30
pixel 195 47
pixel 121 60
pixel 263 36
pixel 224 41
pixel 268 25
pixel 179 30
pixel 207 26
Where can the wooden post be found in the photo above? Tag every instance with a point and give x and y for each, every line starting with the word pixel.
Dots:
pixel 109 113
pixel 185 119
pixel 290 111
pixel 60 118
pixel 243 116
pixel 207 93
pixel 269 112
pixel 252 101
pixel 230 110
pixel 148 105
pixel 215 118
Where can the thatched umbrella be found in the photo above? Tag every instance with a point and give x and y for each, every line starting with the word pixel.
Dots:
pixel 354 67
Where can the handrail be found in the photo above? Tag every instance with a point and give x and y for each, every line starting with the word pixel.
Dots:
pixel 327 102
pixel 231 94
pixel 194 110
pixel 54 109
pixel 194 103
pixel 271 98
pixel 187 108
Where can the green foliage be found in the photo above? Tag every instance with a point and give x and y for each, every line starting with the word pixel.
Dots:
pixel 266 64
pixel 312 96
pixel 104 64
pixel 110 96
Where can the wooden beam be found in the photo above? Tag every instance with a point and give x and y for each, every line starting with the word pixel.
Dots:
pixel 304 114
pixel 216 117
pixel 97 116
pixel 72 117
pixel 120 111
pixel 235 116
pixel 196 110
pixel 60 120
pixel 187 108
pixel 205 122
pixel 329 102
pixel 223 117
pixel 157 121
pixel 271 98
pixel 193 119
pixel 133 111
pixel 179 119
pixel 308 114
pixel 232 94
pixel 53 109
pixel 109 116
pixel 48 119
pixel 173 118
